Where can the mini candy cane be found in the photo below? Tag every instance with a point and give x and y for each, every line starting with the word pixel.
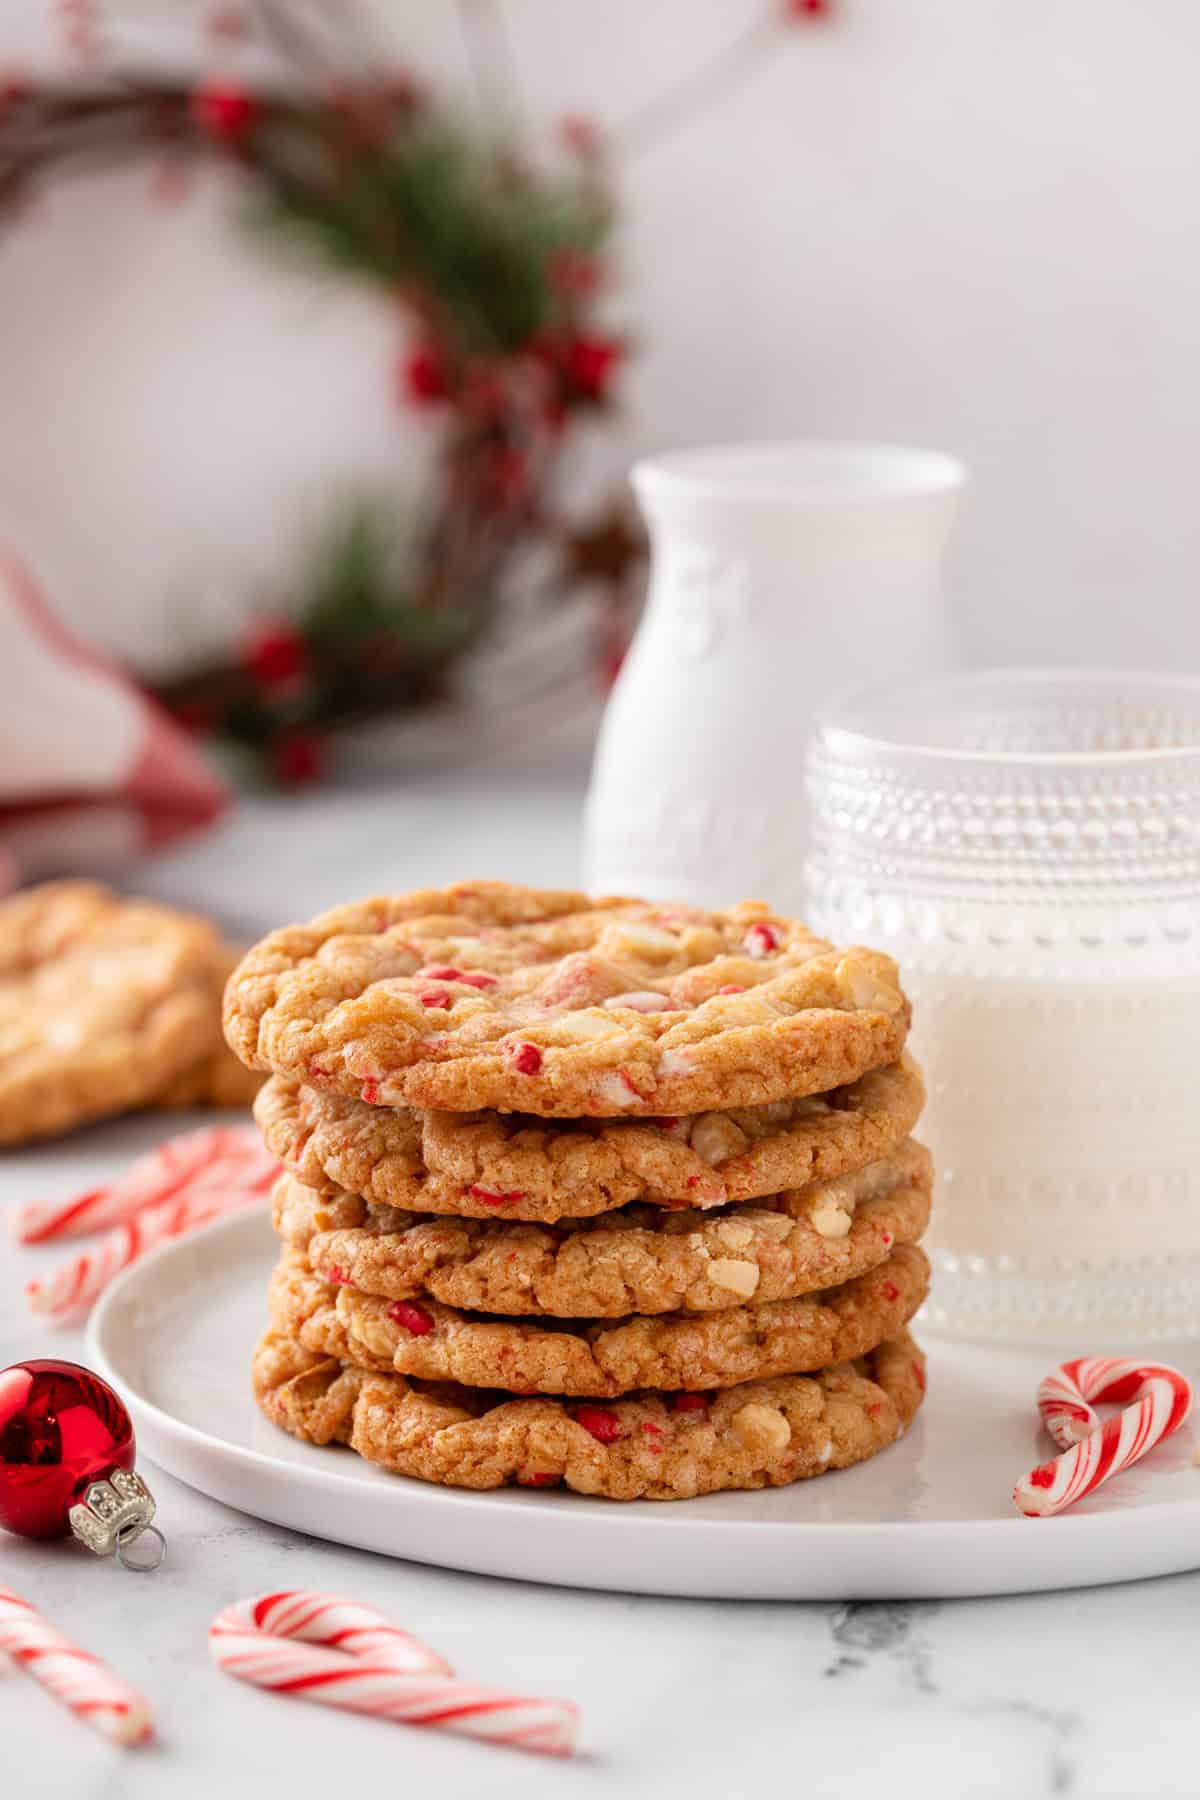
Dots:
pixel 218 1156
pixel 73 1286
pixel 343 1654
pixel 73 1676
pixel 1159 1400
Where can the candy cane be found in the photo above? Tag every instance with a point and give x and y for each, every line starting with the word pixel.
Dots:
pixel 72 1675
pixel 1156 1400
pixel 73 1286
pixel 343 1654
pixel 217 1156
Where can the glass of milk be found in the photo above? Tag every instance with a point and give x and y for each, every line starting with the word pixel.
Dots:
pixel 1027 844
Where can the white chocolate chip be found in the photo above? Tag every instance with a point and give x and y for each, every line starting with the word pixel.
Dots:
pixel 830 1220
pixel 825 1453
pixel 771 1224
pixel 714 1136
pixel 735 1234
pixel 763 1428
pixel 733 1274
pixel 675 1062
pixel 813 1106
pixel 862 989
pixel 365 1324
pixel 644 940
pixel 647 1002
pixel 65 1033
pixel 577 1027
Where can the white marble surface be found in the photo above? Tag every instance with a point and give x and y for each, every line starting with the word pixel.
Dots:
pixel 1089 1693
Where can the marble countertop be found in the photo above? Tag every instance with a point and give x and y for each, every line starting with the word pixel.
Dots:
pixel 1088 1693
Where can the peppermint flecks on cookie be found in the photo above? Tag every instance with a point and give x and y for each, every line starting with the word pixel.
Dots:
pixel 599 1359
pixel 485 1162
pixel 755 1435
pixel 554 1004
pixel 640 1259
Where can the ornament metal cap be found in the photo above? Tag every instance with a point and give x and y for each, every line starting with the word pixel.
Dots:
pixel 115 1514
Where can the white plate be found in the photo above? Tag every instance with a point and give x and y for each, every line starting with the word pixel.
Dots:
pixel 930 1517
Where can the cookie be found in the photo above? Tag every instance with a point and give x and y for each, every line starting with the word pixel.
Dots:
pixel 600 1357
pixel 535 1001
pixel 644 1447
pixel 103 1000
pixel 485 1165
pixel 638 1260
pixel 218 1079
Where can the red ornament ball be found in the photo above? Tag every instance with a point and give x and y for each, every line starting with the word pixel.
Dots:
pixel 61 1428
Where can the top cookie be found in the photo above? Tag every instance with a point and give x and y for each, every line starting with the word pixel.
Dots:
pixel 102 1001
pixel 545 1002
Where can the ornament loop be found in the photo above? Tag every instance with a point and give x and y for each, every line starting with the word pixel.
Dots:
pixel 153 1542
pixel 113 1512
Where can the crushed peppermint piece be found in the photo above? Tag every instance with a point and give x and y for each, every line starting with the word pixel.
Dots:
pixel 604 1426
pixel 411 1317
pixel 762 939
pixel 490 1197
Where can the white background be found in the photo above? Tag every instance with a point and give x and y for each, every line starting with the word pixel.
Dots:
pixel 965 223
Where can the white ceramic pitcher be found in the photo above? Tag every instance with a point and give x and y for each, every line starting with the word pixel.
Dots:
pixel 781 573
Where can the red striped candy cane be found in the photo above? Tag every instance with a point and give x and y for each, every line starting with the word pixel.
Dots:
pixel 71 1674
pixel 72 1287
pixel 343 1654
pixel 1155 1400
pixel 217 1156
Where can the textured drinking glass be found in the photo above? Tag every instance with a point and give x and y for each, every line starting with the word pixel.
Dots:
pixel 1027 844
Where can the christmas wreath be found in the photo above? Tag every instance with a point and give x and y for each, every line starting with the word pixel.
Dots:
pixel 497 267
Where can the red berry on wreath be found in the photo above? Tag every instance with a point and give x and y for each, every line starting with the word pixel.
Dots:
pixel 224 109
pixel 273 652
pixel 14 87
pixel 573 272
pixel 580 135
pixel 589 364
pixel 423 376
pixel 298 758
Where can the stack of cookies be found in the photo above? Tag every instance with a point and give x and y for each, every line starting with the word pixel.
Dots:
pixel 586 1192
